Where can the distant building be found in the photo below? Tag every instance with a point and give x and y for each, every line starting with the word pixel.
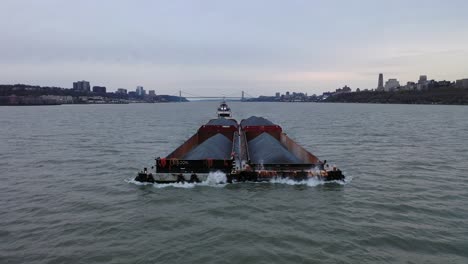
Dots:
pixel 380 85
pixel 82 86
pixel 422 79
pixel 122 91
pixel 422 83
pixel 345 89
pixel 325 95
pixel 140 91
pixel 444 83
pixel 410 86
pixel 391 85
pixel 277 95
pixel 152 93
pixel 62 99
pixel 99 89
pixel 463 83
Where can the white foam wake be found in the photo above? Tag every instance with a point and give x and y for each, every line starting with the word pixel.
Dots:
pixel 132 181
pixel 219 179
pixel 214 179
pixel 311 182
pixel 184 185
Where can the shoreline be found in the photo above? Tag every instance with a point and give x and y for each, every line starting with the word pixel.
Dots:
pixel 322 102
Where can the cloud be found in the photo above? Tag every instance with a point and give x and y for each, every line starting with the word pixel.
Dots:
pixel 207 46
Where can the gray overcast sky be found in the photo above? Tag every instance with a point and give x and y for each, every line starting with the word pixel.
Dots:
pixel 222 47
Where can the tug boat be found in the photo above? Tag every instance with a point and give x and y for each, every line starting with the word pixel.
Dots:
pixel 224 111
pixel 255 149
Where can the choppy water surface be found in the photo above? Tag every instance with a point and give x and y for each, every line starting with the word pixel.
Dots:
pixel 66 197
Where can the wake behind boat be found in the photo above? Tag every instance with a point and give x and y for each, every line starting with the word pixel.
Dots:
pixel 255 149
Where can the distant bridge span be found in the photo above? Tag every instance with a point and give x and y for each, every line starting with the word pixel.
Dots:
pixel 214 97
pixel 183 94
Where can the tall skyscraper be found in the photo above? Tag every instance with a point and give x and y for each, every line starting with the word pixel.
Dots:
pixel 380 84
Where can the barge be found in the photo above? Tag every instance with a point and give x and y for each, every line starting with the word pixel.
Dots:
pixel 255 149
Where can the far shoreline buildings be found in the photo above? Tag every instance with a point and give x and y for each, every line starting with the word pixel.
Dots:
pixel 412 91
pixel 99 89
pixel 121 91
pixel 463 83
pixel 380 83
pixel 82 86
pixel 391 85
pixel 140 91
pixel 23 94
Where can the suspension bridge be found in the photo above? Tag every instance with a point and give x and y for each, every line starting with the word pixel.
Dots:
pixel 233 96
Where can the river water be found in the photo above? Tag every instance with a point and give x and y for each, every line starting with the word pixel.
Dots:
pixel 66 194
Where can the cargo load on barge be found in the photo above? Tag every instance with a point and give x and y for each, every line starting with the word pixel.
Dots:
pixel 254 150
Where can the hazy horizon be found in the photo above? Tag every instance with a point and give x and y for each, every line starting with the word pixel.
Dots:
pixel 214 47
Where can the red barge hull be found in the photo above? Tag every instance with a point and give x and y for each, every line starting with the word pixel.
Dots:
pixel 254 150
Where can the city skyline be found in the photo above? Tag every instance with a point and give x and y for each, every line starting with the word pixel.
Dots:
pixel 209 47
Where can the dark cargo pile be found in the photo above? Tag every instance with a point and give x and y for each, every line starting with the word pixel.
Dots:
pixel 217 147
pixel 256 121
pixel 222 122
pixel 267 150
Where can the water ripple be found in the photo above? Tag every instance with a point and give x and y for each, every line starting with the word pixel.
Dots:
pixel 66 194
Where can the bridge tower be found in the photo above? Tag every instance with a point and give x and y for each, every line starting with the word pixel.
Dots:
pixel 180 96
pixel 242 97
